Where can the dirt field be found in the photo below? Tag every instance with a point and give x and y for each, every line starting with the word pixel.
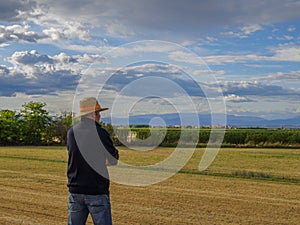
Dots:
pixel 33 189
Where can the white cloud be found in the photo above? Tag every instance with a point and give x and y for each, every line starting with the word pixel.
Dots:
pixel 35 73
pixel 234 34
pixel 221 59
pixel 186 43
pixel 16 33
pixel 54 27
pixel 34 58
pixel 186 57
pixel 291 28
pixel 236 98
pixel 285 38
pixel 290 76
pixel 71 29
pixel 258 88
pixel 249 29
pixel 28 58
pixel 211 39
pixel 245 31
pixel 88 59
pixel 286 52
pixel 54 34
pixel 215 72
pixel 63 58
pixel 295 110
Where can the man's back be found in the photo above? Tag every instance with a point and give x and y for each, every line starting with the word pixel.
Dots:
pixel 89 146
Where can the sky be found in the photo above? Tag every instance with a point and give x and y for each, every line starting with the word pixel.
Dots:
pixel 137 56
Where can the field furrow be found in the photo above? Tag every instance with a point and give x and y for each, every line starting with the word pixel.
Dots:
pixel 35 192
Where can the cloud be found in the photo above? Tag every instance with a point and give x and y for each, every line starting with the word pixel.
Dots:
pixel 53 26
pixel 54 34
pixel 290 76
pixel 186 57
pixel 127 18
pixel 222 59
pixel 256 88
pixel 210 39
pixel 78 27
pixel 245 31
pixel 33 57
pixel 29 58
pixel 285 37
pixel 16 10
pixel 18 33
pixel 249 29
pixel 235 98
pixel 137 77
pixel 178 14
pixel 283 53
pixel 35 73
pixel 70 29
pixel 234 34
pixel 88 59
pixel 291 29
pixel 36 81
pixel 286 52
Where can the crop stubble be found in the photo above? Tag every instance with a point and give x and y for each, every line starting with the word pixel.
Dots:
pixel 33 191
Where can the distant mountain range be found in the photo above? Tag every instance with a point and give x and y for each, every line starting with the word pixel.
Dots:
pixel 205 120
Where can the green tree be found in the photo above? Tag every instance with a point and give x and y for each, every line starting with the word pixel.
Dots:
pixel 9 128
pixel 172 137
pixel 60 127
pixel 294 137
pixel 34 120
pixel 204 135
pixel 235 137
pixel 257 137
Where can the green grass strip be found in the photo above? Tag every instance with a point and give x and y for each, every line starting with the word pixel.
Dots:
pixel 235 174
pixel 249 175
pixel 33 159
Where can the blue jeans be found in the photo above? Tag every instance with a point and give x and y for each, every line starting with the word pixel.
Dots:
pixel 80 205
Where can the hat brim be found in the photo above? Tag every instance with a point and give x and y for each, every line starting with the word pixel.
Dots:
pixel 88 112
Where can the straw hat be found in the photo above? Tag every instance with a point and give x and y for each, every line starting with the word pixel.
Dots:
pixel 89 105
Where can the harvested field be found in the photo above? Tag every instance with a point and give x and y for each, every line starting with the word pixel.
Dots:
pixel 242 186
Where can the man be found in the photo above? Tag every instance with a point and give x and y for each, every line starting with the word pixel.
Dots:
pixel 90 150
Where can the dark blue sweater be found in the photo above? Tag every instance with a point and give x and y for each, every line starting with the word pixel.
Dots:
pixel 89 147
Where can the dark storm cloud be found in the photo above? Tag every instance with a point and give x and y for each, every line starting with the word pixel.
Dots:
pixel 34 73
pixel 15 10
pixel 146 18
pixel 188 15
pixel 39 82
pixel 171 76
pixel 234 91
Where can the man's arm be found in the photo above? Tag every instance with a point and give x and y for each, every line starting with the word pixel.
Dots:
pixel 112 154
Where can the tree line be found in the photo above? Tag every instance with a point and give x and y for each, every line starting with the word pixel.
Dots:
pixel 33 125
pixel 243 137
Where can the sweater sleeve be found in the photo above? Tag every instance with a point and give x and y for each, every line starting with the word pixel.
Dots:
pixel 112 154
